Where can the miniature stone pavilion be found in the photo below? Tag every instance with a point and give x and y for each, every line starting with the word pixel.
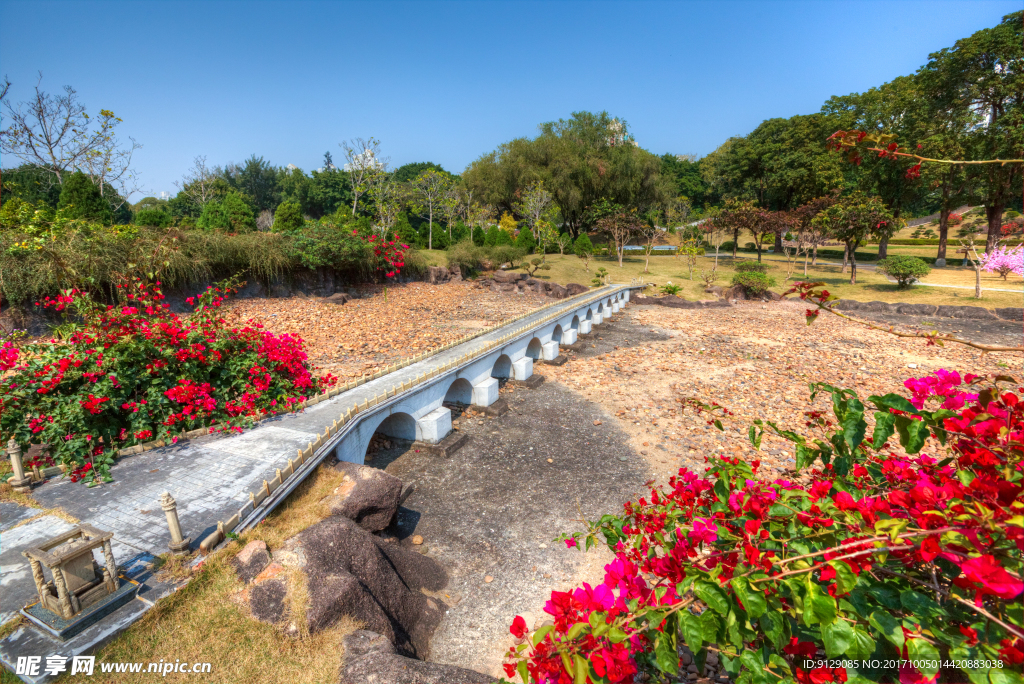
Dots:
pixel 77 580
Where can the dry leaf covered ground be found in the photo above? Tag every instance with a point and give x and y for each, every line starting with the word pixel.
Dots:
pixel 754 359
pixel 368 333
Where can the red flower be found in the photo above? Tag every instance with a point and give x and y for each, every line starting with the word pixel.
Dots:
pixel 518 628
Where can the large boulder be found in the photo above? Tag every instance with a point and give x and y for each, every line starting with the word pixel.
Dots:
pixel 1011 314
pixel 455 274
pixel 347 571
pixel 975 312
pixel 338 298
pixel 371 659
pixel 251 560
pixel 368 496
pixel 576 289
pixel 508 277
pixel 556 291
pixel 437 275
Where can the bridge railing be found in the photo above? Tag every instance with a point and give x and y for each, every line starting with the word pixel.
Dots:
pixel 298 468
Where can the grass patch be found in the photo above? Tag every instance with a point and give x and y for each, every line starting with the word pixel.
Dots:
pixel 870 285
pixel 201 622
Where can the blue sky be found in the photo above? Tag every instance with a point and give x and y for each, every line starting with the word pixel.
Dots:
pixel 449 81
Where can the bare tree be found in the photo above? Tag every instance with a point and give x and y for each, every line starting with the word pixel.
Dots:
pixel 716 233
pixel 563 240
pixel 362 162
pixel 431 188
pixel 533 204
pixel 452 204
pixel 478 215
pixel 648 233
pixel 387 195
pixel 622 227
pixel 55 133
pixel 198 183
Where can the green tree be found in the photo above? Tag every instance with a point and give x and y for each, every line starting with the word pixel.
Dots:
pixel 329 191
pixel 81 199
pixel 288 217
pixel 580 160
pixel 232 215
pixel 31 184
pixel 977 78
pixel 153 216
pixel 430 188
pixel 854 219
pixel 525 241
pixel 408 172
pixel 685 172
pixel 257 180
pixel 898 108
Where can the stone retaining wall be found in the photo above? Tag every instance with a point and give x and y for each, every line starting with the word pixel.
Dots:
pixel 939 311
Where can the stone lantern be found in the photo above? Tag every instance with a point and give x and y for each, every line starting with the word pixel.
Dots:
pixel 78 587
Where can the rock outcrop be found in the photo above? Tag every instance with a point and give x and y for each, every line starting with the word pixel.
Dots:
pixel 371 659
pixel 336 568
pixel 368 496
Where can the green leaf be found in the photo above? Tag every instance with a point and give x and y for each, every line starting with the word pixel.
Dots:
pixel 755 437
pixel 818 607
pixel 616 635
pixel 854 426
pixel 887 596
pixel 754 663
pixel 862 645
pixel 913 433
pixel 774 627
pixel 524 672
pixel 888 626
pixel 582 669
pixel 752 597
pixel 1003 676
pixel 712 595
pixel 926 655
pixel 693 633
pixel 778 663
pixel 838 637
pixel 920 605
pixel 732 629
pixel 967 654
pixel 576 630
pixel 710 626
pixel 884 422
pixel 846 580
pixel 542 632
pixel 895 401
pixel 665 654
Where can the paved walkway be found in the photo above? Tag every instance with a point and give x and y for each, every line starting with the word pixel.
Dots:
pixel 210 478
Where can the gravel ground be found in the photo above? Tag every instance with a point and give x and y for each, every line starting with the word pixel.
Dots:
pixel 493 508
pixel 369 333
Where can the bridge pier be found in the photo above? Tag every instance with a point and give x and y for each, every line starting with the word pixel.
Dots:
pixel 486 392
pixel 585 327
pixel 569 336
pixel 434 426
pixel 522 369
pixel 549 351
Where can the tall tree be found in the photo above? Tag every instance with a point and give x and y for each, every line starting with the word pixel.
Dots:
pixel 981 76
pixel 533 203
pixel 854 219
pixel 362 163
pixel 430 188
pixel 80 198
pixel 257 180
pixel 898 108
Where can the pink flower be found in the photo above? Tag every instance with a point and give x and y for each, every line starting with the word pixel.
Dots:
pixel 987 572
pixel 704 531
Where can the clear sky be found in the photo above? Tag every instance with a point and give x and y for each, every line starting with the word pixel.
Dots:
pixel 449 81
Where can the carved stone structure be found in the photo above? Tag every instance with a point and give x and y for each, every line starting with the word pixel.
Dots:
pixel 179 543
pixel 77 580
pixel 19 482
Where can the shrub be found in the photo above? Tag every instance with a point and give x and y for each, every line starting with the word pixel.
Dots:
pixel 954 219
pixel 230 215
pixel 136 371
pixel 583 246
pixel 81 199
pixel 501 254
pixel 905 269
pixel 467 256
pixel 876 552
pixel 749 245
pixel 671 289
pixel 536 264
pixel 287 217
pixel 753 284
pixel 151 216
pixel 1004 261
pixel 600 275
pixel 1011 214
pixel 526 241
pixel 751 267
pixel 727 246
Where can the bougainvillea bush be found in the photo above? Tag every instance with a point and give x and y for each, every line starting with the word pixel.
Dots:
pixel 136 372
pixel 894 554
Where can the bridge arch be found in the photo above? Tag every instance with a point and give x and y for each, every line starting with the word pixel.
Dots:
pixel 460 392
pixel 535 350
pixel 502 367
pixel 556 334
pixel 575 324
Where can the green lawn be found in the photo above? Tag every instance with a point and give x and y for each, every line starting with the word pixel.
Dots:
pixel 870 286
